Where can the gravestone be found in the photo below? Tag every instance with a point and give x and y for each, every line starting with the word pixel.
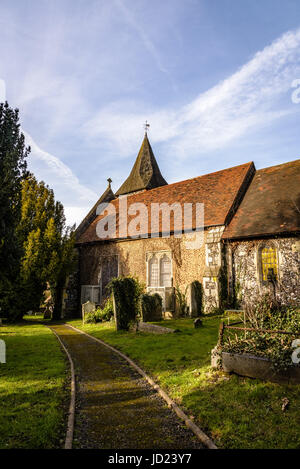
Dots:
pixel 154 329
pixel 216 357
pixel 197 323
pixel 2 352
pixel 88 307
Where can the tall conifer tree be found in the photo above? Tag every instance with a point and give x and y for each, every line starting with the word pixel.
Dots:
pixel 13 154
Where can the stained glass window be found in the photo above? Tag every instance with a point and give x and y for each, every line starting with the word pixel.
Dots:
pixel 268 261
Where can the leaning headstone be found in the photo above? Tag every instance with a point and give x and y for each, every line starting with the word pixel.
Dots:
pixel 197 323
pixel 87 308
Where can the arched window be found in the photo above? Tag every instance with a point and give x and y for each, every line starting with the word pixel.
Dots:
pixel 159 269
pixel 269 264
pixel 165 272
pixel 153 272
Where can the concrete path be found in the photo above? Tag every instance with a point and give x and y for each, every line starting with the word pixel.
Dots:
pixel 115 407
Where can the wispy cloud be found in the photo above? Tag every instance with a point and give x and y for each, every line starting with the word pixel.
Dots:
pixel 57 175
pixel 148 43
pixel 77 198
pixel 250 98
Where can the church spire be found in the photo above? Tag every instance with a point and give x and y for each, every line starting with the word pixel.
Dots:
pixel 145 173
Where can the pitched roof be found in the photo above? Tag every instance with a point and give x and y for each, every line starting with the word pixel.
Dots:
pixel 271 205
pixel 107 196
pixel 220 192
pixel 145 173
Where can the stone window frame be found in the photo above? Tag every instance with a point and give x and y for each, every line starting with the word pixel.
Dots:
pixel 159 255
pixel 260 247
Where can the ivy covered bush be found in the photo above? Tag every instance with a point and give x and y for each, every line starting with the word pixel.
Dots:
pixel 127 294
pixel 151 307
pixel 181 301
pixel 267 315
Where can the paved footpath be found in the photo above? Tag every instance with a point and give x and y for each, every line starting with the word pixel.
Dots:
pixel 115 406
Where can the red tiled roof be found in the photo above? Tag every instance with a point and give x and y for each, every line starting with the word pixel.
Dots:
pixel 271 205
pixel 219 191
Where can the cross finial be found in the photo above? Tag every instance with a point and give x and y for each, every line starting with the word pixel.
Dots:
pixel 146 125
pixel 109 182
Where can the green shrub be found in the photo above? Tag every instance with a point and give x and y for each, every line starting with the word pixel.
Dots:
pixel 107 312
pixel 101 314
pixel 127 293
pixel 151 307
pixel 93 317
pixel 158 299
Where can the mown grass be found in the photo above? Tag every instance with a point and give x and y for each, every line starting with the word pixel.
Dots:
pixel 33 390
pixel 237 412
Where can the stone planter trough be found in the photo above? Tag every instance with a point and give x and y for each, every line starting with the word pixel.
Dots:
pixel 255 367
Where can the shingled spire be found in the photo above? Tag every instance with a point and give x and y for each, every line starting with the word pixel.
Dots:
pixel 145 173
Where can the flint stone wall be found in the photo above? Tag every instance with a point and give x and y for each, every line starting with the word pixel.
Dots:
pixel 245 274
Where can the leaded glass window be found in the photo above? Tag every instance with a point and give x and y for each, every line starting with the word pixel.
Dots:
pixel 153 272
pixel 159 268
pixel 268 261
pixel 165 272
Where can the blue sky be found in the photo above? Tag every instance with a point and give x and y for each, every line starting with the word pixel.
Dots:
pixel 213 78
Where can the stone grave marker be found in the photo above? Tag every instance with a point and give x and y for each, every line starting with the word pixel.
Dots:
pixel 87 308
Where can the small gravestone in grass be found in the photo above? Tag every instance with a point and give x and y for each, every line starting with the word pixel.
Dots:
pixel 198 323
pixel 88 307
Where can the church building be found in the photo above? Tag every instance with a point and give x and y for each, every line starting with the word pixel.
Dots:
pixel 250 242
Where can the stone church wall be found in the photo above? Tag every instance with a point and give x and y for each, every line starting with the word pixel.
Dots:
pixel 187 264
pixel 244 268
pixel 208 264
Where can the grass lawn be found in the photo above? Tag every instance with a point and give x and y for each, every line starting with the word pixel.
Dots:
pixel 236 412
pixel 33 393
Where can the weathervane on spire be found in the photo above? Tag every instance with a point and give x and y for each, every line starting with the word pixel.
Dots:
pixel 146 125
